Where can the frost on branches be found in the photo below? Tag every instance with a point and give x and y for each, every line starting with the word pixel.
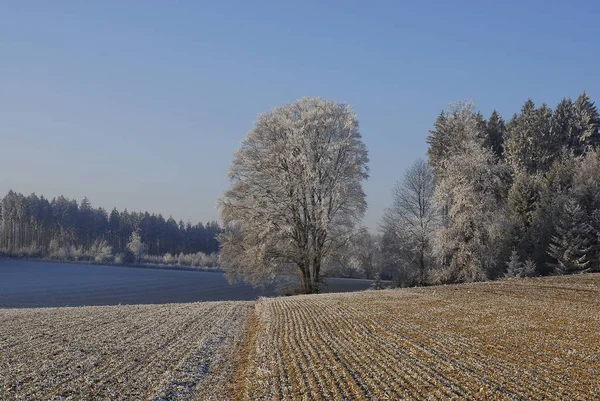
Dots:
pixel 409 224
pixel 296 192
pixel 470 188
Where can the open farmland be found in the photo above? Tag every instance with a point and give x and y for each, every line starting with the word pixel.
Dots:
pixel 521 339
pixel 516 339
pixel 31 284
pixel 172 351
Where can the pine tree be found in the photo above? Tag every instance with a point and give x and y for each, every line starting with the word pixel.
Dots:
pixel 514 266
pixel 570 246
pixel 472 190
pixel 530 145
pixel 587 123
pixel 529 268
pixel 523 197
pixel 377 284
pixel 494 134
pixel 452 131
pixel 563 119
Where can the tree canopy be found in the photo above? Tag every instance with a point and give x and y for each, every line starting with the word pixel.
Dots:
pixel 296 192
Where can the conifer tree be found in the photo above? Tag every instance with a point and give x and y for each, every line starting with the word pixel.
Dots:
pixel 494 134
pixel 523 198
pixel 514 266
pixel 586 123
pixel 530 145
pixel 563 119
pixel 451 132
pixel 570 246
pixel 471 190
pixel 529 268
pixel 377 284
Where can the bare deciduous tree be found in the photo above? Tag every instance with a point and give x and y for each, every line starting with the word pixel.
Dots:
pixel 410 222
pixel 296 192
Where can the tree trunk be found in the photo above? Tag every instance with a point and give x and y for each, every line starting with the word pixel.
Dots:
pixel 316 274
pixel 305 277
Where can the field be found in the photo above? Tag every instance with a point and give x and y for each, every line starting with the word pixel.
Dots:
pixel 30 284
pixel 516 339
pixel 157 352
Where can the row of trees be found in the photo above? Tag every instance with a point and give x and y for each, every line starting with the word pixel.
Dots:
pixel 495 198
pixel 65 229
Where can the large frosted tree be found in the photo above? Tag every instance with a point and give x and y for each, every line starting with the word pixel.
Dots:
pixel 296 192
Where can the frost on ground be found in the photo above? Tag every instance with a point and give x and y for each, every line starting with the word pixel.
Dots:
pixel 508 340
pixel 516 339
pixel 143 352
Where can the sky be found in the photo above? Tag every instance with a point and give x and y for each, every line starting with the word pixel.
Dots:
pixel 140 105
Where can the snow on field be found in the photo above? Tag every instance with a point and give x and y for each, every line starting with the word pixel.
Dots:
pixel 172 351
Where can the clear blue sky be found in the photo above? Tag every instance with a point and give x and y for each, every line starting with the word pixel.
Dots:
pixel 141 104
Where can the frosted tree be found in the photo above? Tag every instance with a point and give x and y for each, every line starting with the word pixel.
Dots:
pixel 101 251
pixel 136 246
pixel 514 266
pixel 494 134
pixel 362 253
pixel 586 122
pixel 570 246
pixel 296 192
pixel 453 128
pixel 471 190
pixel 530 143
pixel 377 284
pixel 523 202
pixel 529 268
pixel 563 120
pixel 410 222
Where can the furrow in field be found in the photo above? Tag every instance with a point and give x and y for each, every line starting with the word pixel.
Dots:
pixel 157 346
pixel 388 359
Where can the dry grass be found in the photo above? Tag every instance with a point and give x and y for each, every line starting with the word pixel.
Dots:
pixel 518 339
pixel 521 339
pixel 173 351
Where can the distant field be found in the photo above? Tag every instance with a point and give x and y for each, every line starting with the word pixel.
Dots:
pixel 29 284
pixel 518 339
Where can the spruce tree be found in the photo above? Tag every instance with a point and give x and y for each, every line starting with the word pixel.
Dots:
pixel 377 284
pixel 529 268
pixel 530 145
pixel 494 134
pixel 562 125
pixel 570 246
pixel 587 123
pixel 452 131
pixel 514 266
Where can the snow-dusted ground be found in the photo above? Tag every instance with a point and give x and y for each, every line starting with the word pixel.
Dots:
pixel 26 284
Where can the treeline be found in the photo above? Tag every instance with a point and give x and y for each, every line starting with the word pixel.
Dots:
pixel 495 199
pixel 64 229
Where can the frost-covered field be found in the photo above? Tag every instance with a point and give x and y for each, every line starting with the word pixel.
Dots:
pixel 517 339
pixel 523 339
pixel 154 352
